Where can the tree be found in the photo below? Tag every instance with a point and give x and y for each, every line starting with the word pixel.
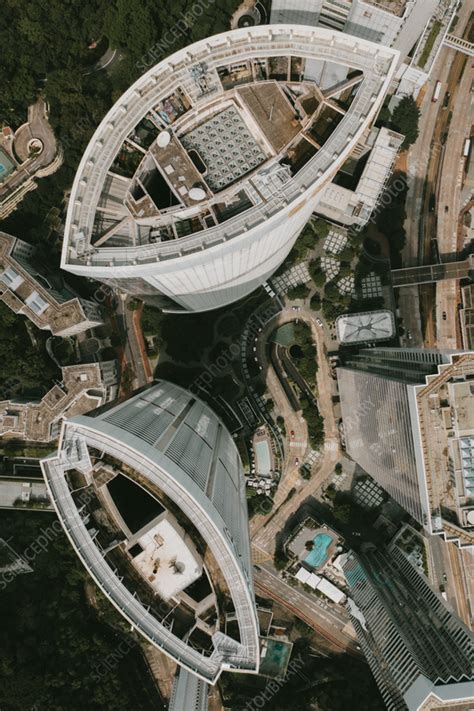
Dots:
pixel 59 652
pixel 321 228
pixel 21 361
pixel 405 120
pixel 314 267
pixel 133 304
pixel 305 471
pixel 345 270
pixel 280 560
pixel 342 512
pixel 330 310
pixel 390 220
pixel 346 254
pixel 298 292
pixel 331 291
pixel 319 278
pixel 133 26
pixel 315 302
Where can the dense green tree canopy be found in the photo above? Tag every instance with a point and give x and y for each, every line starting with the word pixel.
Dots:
pixel 20 359
pixel 51 48
pixel 39 38
pixel 405 120
pixel 56 655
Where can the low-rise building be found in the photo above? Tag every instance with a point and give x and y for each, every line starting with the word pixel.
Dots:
pixel 313 545
pixel 466 315
pixel 322 585
pixel 365 327
pixel 83 388
pixel 29 153
pixel 39 295
pixel 355 206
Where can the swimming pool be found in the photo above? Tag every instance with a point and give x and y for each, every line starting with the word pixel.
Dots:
pixel 318 556
pixel 275 658
pixel 262 458
pixel 6 165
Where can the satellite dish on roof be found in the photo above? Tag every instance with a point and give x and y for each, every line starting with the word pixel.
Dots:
pixel 163 139
pixel 197 194
pixel 470 517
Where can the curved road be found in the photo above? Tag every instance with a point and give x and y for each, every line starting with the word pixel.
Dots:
pixel 264 530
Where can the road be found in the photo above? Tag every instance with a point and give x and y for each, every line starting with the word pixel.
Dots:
pixel 109 57
pixel 423 166
pixel 134 350
pixel 331 621
pixel 37 127
pixel 449 228
pixel 297 447
pixel 280 370
pixel 292 372
pixel 264 528
pixel 453 568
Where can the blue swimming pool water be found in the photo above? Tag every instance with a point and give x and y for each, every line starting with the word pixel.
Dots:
pixel 6 165
pixel 318 556
pixel 262 458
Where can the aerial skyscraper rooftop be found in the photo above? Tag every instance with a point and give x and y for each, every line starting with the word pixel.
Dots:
pixel 408 419
pixel 196 184
pixel 151 495
pixel 419 652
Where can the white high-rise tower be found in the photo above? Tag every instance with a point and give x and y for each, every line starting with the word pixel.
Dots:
pixel 151 495
pixel 198 181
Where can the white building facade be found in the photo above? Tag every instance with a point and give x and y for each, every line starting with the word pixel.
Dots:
pixel 174 447
pixel 193 226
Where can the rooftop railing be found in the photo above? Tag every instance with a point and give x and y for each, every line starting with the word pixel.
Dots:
pixel 377 63
pixel 206 667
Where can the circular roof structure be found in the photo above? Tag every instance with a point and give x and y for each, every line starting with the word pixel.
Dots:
pixel 163 139
pixel 197 194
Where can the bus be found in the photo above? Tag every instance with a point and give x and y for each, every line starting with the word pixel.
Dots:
pixel 436 92
pixel 467 147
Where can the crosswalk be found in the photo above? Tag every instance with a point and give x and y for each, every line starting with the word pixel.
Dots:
pixel 259 555
pixel 298 444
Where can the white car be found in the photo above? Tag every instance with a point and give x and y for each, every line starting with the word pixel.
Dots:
pixel 319 322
